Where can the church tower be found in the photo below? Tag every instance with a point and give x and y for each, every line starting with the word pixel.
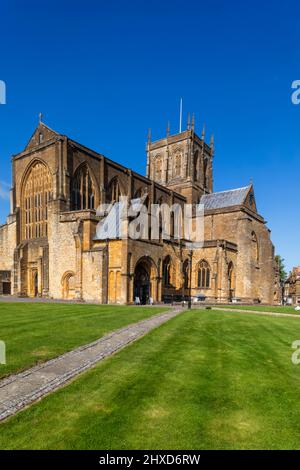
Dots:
pixel 182 162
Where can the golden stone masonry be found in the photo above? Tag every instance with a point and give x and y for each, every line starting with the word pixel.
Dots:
pixel 49 247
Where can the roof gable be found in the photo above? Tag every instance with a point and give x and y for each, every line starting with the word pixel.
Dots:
pixel 250 201
pixel 41 134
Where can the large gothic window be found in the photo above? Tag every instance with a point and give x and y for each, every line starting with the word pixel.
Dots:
pixel 203 275
pixel 83 191
pixel 36 194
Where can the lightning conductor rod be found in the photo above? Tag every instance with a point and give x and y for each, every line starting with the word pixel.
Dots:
pixel 180 116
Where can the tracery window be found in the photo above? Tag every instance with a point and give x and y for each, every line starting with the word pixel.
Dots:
pixel 114 192
pixel 203 275
pixel 36 194
pixel 83 191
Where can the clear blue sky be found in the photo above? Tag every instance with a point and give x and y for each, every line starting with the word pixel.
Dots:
pixel 103 72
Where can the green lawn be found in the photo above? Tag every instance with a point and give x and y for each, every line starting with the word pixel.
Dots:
pixel 204 380
pixel 35 332
pixel 263 308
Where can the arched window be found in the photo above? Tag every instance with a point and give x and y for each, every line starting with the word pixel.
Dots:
pixel 113 193
pixel 36 194
pixel 177 165
pixel 83 191
pixel 254 248
pixel 138 194
pixel 203 275
pixel 167 266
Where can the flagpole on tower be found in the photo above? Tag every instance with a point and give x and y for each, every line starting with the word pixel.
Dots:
pixel 180 116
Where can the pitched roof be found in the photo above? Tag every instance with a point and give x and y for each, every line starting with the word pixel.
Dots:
pixel 233 197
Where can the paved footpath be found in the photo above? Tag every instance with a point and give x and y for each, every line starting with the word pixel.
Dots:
pixel 257 312
pixel 18 391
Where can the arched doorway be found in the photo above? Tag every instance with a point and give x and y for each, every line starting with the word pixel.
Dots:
pixel 68 285
pixel 142 280
pixel 142 283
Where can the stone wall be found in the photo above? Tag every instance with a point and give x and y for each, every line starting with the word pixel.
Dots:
pixel 62 251
pixel 8 242
pixel 93 276
pixel 254 277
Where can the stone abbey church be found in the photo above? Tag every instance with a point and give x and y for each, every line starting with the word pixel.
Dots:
pixel 49 247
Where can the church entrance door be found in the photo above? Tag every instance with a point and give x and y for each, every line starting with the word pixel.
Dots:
pixel 142 283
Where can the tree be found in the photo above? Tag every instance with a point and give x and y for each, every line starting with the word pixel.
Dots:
pixel 281 266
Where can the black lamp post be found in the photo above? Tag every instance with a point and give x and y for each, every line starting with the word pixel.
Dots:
pixel 190 279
